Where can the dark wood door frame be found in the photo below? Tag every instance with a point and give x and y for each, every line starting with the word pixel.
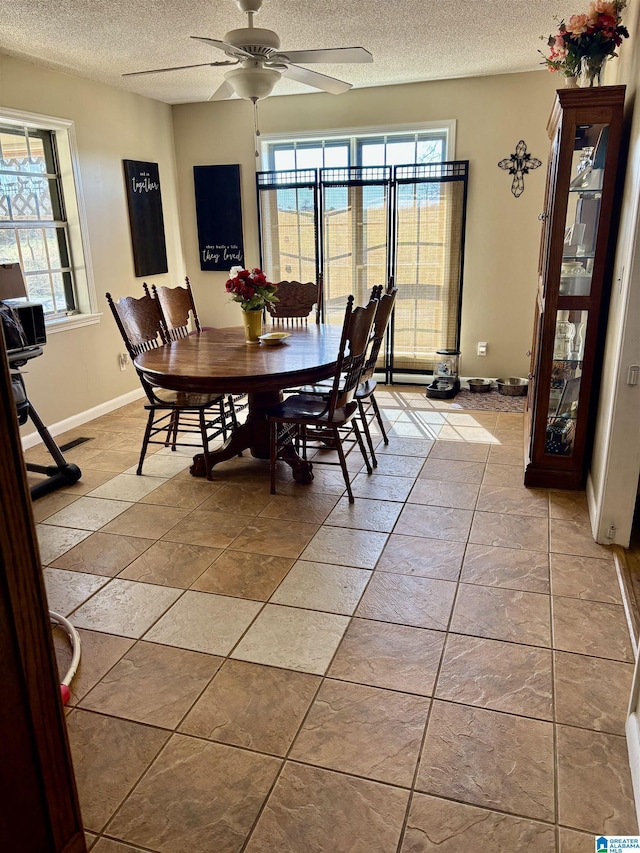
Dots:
pixel 39 811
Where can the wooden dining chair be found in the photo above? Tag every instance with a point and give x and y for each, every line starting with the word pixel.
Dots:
pixel 364 393
pixel 296 301
pixel 365 397
pixel 177 310
pixel 331 418
pixel 170 412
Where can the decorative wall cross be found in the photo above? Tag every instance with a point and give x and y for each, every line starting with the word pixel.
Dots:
pixel 518 165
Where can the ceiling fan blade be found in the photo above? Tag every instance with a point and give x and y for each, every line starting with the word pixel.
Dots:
pixel 224 90
pixel 227 48
pixel 175 68
pixel 330 54
pixel 318 81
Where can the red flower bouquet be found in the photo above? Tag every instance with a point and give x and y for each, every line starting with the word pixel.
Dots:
pixel 594 37
pixel 250 289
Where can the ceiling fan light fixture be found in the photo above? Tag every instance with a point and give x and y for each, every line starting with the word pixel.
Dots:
pixel 252 84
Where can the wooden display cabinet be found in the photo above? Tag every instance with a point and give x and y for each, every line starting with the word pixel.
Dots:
pixel 574 282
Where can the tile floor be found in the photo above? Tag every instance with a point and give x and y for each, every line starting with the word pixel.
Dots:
pixel 445 665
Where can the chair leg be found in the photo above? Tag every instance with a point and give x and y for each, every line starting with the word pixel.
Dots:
pixel 223 419
pixel 358 434
pixel 145 442
pixel 205 445
pixel 172 432
pixel 273 436
pixel 343 461
pixel 379 417
pixel 232 411
pixel 365 426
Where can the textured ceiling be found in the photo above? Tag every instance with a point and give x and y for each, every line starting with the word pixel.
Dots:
pixel 411 40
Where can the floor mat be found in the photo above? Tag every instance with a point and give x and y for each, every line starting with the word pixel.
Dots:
pixel 488 402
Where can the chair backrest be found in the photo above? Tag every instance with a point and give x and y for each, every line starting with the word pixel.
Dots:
pixel 296 300
pixel 138 321
pixel 356 334
pixel 385 306
pixel 175 304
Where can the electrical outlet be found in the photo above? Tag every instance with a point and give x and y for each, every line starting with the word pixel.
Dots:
pixel 482 347
pixel 124 360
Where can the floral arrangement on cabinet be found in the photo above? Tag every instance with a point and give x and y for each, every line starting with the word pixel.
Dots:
pixel 250 288
pixel 592 37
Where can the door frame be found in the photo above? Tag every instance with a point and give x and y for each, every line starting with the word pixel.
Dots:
pixel 40 810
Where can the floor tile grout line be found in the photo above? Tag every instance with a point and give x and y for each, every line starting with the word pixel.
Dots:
pixel 431 704
pixel 153 759
pixel 445 632
pixel 176 729
pixel 409 788
pixel 429 712
pixel 136 784
pixel 134 847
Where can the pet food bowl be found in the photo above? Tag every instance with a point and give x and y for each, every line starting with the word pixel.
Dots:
pixel 479 386
pixel 513 386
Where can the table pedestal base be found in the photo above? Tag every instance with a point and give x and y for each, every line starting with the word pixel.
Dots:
pixel 253 435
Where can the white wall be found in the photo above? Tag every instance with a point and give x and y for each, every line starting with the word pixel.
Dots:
pixel 492 115
pixel 79 369
pixel 613 479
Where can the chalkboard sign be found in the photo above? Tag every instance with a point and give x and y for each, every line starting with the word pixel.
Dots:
pixel 145 216
pixel 219 215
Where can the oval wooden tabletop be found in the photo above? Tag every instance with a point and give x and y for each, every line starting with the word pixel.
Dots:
pixel 219 360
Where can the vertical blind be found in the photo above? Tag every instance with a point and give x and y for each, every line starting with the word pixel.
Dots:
pixel 428 262
pixel 288 212
pixel 355 234
pixel 360 226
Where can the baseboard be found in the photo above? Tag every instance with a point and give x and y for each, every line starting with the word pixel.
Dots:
pixel 632 730
pixel 632 725
pixel 33 438
pixel 629 595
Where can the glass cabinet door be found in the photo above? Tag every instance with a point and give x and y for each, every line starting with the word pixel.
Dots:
pixel 583 209
pixel 566 377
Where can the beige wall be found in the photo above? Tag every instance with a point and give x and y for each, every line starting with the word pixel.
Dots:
pixel 79 369
pixel 492 114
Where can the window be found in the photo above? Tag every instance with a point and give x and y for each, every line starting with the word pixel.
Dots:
pixel 318 154
pixel 40 223
pixel 399 212
pixel 430 144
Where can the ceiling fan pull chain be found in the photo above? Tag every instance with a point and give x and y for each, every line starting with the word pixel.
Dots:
pixel 256 129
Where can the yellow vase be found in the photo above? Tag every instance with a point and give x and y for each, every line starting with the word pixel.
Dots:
pixel 252 325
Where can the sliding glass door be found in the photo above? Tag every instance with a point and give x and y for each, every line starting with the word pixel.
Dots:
pixel 363 226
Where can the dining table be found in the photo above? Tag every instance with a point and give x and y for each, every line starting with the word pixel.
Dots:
pixel 220 361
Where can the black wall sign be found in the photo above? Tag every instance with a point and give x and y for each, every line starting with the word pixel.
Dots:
pixel 145 215
pixel 219 215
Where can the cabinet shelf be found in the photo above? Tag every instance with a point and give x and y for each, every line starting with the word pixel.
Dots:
pixel 563 393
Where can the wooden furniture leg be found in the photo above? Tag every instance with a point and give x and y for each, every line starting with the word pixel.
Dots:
pixel 254 436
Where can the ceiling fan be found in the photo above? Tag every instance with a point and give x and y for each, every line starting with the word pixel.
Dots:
pixel 260 62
